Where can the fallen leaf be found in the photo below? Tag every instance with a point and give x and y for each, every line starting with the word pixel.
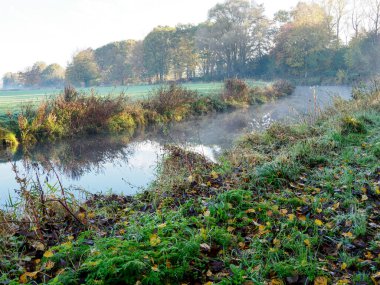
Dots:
pixel 318 222
pixel 154 240
pixel 307 242
pixel 49 265
pixel 320 280
pixel 48 254
pixel 250 211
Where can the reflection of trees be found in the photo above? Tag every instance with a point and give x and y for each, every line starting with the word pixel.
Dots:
pixel 74 158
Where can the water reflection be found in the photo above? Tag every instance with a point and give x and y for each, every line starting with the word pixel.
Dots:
pixel 102 163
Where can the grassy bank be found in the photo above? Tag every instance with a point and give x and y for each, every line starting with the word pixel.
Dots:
pixel 73 114
pixel 293 205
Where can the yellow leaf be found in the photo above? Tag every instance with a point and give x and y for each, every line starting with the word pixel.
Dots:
pixel 291 217
pixel 49 265
pixel 364 198
pixel 214 175
pixel 91 215
pixel 209 273
pixel 24 277
pixel 307 242
pixel 48 254
pixel 250 211
pixel 168 264
pixel 161 226
pixel 70 238
pixel 302 217
pixel 343 266
pixel 81 216
pixel 190 178
pixel 377 190
pixel 319 210
pixel 376 278
pixel 276 282
pixel 283 212
pixel 155 268
pixel 320 280
pixel 206 214
pixel 276 242
pixel 154 240
pixel 369 255
pixel 230 229
pixel 336 206
pixel 347 235
pixel 343 282
pixel 208 283
pixel 318 222
pixel 38 245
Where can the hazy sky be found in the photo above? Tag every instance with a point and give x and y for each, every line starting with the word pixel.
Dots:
pixel 53 30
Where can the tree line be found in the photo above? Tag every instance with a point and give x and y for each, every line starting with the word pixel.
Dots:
pixel 332 40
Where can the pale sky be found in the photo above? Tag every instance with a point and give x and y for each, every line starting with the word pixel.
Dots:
pixel 53 30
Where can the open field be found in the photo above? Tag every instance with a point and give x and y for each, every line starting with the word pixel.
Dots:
pixel 12 100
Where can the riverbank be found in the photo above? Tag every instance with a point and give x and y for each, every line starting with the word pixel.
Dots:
pixel 292 205
pixel 73 114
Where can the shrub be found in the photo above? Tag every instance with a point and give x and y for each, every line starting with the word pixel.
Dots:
pixel 7 138
pixel 121 122
pixel 167 98
pixel 352 125
pixel 282 88
pixel 236 90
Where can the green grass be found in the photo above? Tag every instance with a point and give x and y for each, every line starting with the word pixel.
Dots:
pixel 12 100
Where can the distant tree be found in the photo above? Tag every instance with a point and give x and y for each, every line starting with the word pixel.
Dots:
pixel 236 33
pixel 300 44
pixel 83 69
pixel 32 77
pixel 12 80
pixel 363 56
pixel 137 62
pixel 157 48
pixel 184 56
pixel 114 61
pixel 53 75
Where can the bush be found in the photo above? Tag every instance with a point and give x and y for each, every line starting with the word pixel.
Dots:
pixel 7 138
pixel 236 90
pixel 352 125
pixel 167 98
pixel 282 88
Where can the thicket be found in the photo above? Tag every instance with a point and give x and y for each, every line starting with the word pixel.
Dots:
pixel 73 114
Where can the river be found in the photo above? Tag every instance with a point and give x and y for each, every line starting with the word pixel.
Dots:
pixel 118 165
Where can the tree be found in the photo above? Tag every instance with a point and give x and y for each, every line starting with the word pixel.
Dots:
pixel 32 77
pixel 239 30
pixel 12 80
pixel 114 61
pixel 83 70
pixel 157 47
pixel 53 75
pixel 374 16
pixel 184 56
pixel 301 43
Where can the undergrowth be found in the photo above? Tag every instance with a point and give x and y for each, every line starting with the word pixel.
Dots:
pixel 292 205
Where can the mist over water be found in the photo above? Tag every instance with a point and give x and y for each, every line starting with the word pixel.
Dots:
pixel 113 163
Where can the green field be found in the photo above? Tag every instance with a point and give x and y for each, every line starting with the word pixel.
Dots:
pixel 12 100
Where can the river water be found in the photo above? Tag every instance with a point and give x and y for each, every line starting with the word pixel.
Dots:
pixel 118 165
